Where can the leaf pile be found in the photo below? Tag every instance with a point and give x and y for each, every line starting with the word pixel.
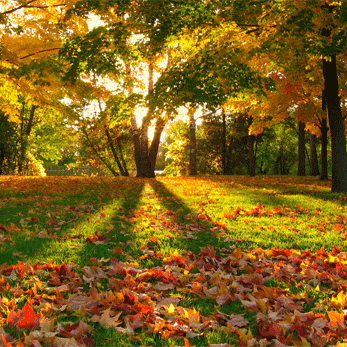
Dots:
pixel 120 296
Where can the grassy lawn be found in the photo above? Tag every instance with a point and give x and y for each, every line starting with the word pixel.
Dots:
pixel 205 261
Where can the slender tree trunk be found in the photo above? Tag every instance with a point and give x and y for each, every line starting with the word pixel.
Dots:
pixel 301 150
pixel 96 152
pixel 113 150
pixel 314 167
pixel 122 159
pixel 251 155
pixel 135 131
pixel 31 120
pixel 324 150
pixel 146 169
pixel 24 134
pixel 224 143
pixel 192 142
pixel 137 144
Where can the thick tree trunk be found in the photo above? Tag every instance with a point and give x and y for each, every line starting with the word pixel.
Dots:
pixel 153 152
pixel 338 141
pixel 145 164
pixel 251 154
pixel 314 167
pixel 192 142
pixel 301 150
pixel 324 150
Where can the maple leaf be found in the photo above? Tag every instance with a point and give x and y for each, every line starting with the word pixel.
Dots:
pixel 25 318
pixel 336 318
pixel 339 301
pixel 106 320
pixel 244 338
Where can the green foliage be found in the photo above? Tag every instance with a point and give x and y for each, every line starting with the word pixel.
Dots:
pixel 176 149
pixel 277 150
pixel 7 145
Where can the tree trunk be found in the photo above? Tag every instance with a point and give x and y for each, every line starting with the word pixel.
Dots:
pixel 301 150
pixel 115 156
pixel 324 150
pixel 96 152
pixel 314 167
pixel 153 152
pixel 31 120
pixel 137 143
pixel 192 142
pixel 251 155
pixel 24 136
pixel 122 159
pixel 224 143
pixel 338 141
pixel 145 168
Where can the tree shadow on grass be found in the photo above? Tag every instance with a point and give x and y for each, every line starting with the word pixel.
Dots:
pixel 115 228
pixel 192 230
pixel 70 244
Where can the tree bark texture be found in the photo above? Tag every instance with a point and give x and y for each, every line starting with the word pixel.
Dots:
pixel 224 143
pixel 301 150
pixel 115 155
pixel 338 141
pixel 251 154
pixel 192 142
pixel 24 136
pixel 324 150
pixel 314 167
pixel 97 153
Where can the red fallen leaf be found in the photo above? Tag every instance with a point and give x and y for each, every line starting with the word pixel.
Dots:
pixel 64 271
pixel 144 309
pixel 117 250
pixel 274 330
pixel 51 222
pixel 25 318
pixel 34 219
pixel 153 239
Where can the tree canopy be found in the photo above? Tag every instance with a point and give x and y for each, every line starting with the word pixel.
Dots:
pixel 265 60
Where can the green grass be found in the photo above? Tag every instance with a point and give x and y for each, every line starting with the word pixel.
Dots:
pixel 146 223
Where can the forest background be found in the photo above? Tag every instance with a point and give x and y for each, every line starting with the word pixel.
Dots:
pixel 83 83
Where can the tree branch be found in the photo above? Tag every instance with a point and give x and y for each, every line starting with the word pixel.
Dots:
pixel 27 5
pixel 43 51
